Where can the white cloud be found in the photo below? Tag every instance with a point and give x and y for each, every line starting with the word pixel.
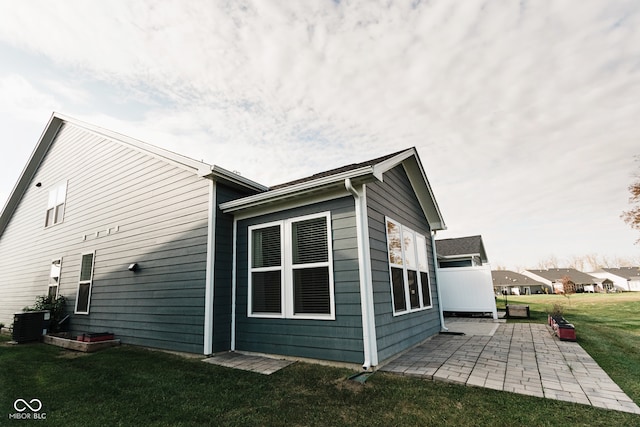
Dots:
pixel 20 98
pixel 524 113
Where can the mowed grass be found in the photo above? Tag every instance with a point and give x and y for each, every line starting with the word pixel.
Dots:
pixel 607 327
pixel 134 386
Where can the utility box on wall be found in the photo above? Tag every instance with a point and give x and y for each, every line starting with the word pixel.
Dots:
pixel 30 325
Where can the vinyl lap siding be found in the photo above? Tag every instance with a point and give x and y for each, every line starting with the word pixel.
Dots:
pixel 396 199
pixel 223 262
pixel 339 339
pixel 156 215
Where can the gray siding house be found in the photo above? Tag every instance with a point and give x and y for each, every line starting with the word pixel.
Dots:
pixel 90 203
pixel 376 264
pixel 338 266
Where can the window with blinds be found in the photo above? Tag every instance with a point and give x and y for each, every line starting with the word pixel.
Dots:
pixel 266 270
pixel 291 269
pixel 84 284
pixel 408 268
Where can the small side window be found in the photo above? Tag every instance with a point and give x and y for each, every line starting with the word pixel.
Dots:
pixel 83 298
pixel 56 204
pixel 54 278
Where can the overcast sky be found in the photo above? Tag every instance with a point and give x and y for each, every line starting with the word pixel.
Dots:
pixel 526 115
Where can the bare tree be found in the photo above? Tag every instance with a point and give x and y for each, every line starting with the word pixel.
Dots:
pixel 593 261
pixel 550 262
pixel 577 262
pixel 632 216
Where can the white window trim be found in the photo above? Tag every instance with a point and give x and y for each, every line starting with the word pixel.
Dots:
pixel 265 269
pixel 82 282
pixel 287 268
pixel 405 274
pixel 57 285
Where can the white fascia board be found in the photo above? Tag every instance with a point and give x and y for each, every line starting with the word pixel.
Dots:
pixel 28 172
pixel 219 173
pixel 382 167
pixel 296 190
pixel 423 191
pixel 457 256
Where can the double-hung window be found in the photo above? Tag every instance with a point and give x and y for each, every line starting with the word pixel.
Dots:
pixel 408 268
pixel 54 278
pixel 55 205
pixel 290 269
pixel 83 298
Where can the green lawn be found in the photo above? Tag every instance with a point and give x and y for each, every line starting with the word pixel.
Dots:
pixel 134 386
pixel 607 327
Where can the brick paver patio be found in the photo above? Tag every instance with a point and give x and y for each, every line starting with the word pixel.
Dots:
pixel 520 358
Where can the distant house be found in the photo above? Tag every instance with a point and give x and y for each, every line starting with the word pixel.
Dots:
pixel 563 280
pixel 168 252
pixel 507 282
pixel 461 252
pixel 623 278
pixel 465 276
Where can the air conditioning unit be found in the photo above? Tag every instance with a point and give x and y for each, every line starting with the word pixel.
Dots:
pixel 30 325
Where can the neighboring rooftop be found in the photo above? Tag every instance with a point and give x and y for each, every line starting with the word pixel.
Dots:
pixel 629 273
pixel 470 245
pixel 556 274
pixel 511 278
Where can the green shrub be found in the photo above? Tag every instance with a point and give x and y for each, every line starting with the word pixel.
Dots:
pixel 55 305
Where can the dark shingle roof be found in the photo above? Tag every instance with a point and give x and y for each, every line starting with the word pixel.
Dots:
pixel 335 171
pixel 556 275
pixel 461 246
pixel 511 278
pixel 626 272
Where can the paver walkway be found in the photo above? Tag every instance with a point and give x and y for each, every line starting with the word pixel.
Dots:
pixel 521 358
pixel 245 362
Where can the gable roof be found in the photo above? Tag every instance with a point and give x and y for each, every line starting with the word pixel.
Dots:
pixel 629 273
pixel 357 173
pixel 470 245
pixel 556 274
pixel 511 278
pixel 338 170
pixel 58 120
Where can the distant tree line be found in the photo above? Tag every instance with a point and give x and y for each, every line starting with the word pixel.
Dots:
pixel 586 263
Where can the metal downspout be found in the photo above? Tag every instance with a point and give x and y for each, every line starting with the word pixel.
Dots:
pixel 367 335
pixel 209 297
pixel 435 269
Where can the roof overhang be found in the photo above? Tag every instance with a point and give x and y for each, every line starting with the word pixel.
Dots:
pixel 459 256
pixel 302 190
pixel 361 175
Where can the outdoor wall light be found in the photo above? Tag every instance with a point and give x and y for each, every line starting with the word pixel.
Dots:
pixel 133 267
